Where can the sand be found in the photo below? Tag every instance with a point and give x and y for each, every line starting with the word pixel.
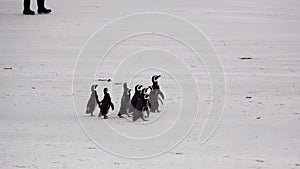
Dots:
pixel 258 45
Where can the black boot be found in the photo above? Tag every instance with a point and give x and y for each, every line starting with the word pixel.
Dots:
pixel 41 7
pixel 27 10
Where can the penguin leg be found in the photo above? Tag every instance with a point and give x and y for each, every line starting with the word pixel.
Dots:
pixel 105 114
pixel 127 112
pixel 143 118
pixel 87 110
pixel 120 115
pixel 134 118
pixel 148 113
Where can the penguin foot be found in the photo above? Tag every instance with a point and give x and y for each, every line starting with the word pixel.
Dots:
pixel 120 115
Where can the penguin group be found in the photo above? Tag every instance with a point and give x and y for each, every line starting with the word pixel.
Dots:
pixel 143 101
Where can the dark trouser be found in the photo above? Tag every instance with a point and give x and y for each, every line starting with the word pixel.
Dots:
pixel 26 4
pixel 40 4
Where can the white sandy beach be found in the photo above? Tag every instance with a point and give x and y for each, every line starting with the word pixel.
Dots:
pixel 260 127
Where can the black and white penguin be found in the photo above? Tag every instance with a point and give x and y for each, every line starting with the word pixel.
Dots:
pixel 154 80
pixel 125 101
pixel 146 94
pixel 155 93
pixel 136 96
pixel 91 104
pixel 105 103
pixel 142 106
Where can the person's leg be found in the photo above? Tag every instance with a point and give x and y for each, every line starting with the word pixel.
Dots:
pixel 27 10
pixel 40 4
pixel 41 7
pixel 26 4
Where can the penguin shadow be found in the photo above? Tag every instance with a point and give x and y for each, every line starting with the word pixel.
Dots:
pixel 114 117
pixel 125 102
pixel 91 104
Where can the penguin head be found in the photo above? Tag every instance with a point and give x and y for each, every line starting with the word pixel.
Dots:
pixel 146 96
pixel 105 90
pixel 146 91
pixel 140 88
pixel 93 87
pixel 155 78
pixel 136 87
pixel 150 88
pixel 125 86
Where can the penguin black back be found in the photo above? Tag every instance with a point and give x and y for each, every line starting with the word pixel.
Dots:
pixel 142 105
pixel 136 95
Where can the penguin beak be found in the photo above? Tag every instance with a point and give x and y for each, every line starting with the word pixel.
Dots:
pixel 140 87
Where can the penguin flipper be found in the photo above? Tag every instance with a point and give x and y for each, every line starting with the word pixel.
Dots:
pixel 161 94
pixel 160 100
pixel 112 106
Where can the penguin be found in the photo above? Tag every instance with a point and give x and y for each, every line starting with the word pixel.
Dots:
pixel 142 105
pixel 146 95
pixel 135 97
pixel 154 80
pixel 125 101
pixel 91 104
pixel 154 98
pixel 105 103
pixel 155 93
